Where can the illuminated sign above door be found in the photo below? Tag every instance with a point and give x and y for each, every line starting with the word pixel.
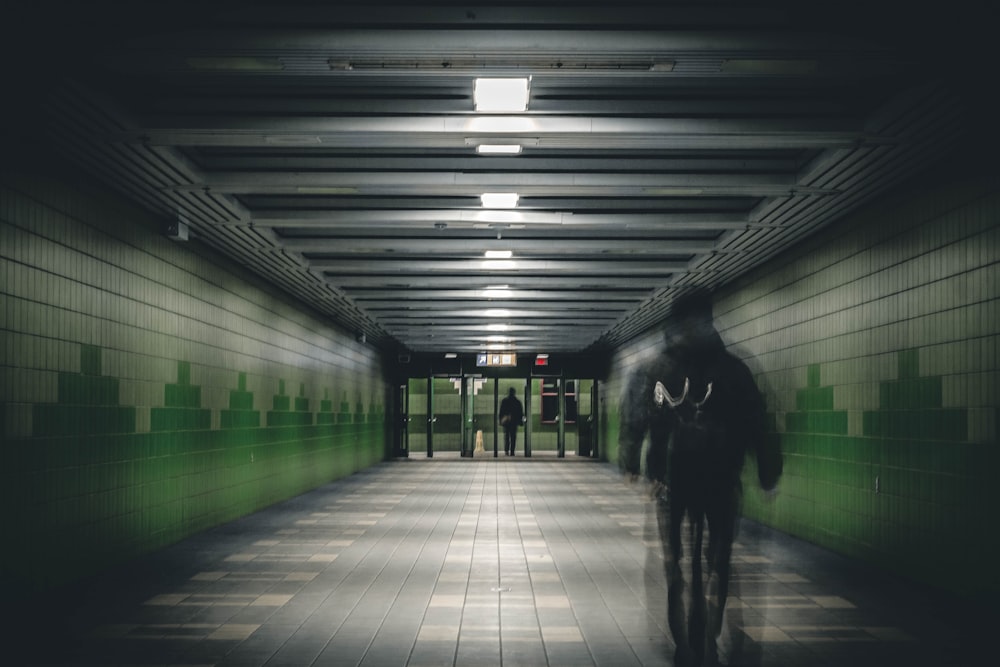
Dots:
pixel 496 359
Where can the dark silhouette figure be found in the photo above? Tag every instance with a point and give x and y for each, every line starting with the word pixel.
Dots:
pixel 703 413
pixel 511 415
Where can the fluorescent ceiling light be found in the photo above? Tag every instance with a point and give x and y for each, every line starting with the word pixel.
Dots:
pixel 497 312
pixel 450 355
pixel 499 199
pixel 498 149
pixel 499 339
pixel 498 264
pixel 498 287
pixel 500 94
pixel 497 327
pixel 499 254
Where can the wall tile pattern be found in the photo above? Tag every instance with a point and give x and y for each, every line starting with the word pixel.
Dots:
pixel 150 389
pixel 877 345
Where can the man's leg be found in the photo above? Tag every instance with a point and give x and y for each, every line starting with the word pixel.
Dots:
pixel 670 516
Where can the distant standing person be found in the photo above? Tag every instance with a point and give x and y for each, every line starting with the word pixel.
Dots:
pixel 511 416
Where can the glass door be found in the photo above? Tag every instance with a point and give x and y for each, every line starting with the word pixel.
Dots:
pixel 403 423
pixel 473 438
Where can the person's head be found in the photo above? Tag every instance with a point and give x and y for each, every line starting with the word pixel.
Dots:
pixel 690 317
pixel 512 392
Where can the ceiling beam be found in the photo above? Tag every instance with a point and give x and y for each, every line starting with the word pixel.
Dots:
pixel 423 218
pixel 487 267
pixel 581 283
pixel 465 247
pixel 459 130
pixel 410 306
pixel 370 297
pixel 472 184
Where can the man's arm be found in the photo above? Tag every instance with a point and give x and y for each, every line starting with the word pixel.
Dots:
pixel 764 445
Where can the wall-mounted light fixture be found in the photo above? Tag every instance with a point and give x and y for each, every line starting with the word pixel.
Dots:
pixel 177 230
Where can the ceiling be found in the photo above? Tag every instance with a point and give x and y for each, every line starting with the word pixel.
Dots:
pixel 332 149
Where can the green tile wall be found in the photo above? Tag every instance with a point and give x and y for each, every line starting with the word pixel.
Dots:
pixel 876 344
pixel 150 389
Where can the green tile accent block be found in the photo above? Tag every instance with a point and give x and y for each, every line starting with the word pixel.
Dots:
pixel 345 417
pixel 932 485
pixel 179 419
pixel 282 414
pixel 183 411
pixel 829 421
pixel 87 403
pixel 239 418
pixel 814 408
pixel 288 418
pixel 910 408
pixel 182 396
pixel 240 400
pixel 53 419
pixel 183 372
pixel 87 389
pixel 816 398
pixel 326 414
pixel 913 393
pixel 301 402
pixel 812 375
pixel 240 413
pixel 942 424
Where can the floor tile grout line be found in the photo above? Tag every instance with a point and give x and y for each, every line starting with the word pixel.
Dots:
pixel 371 583
pixel 455 493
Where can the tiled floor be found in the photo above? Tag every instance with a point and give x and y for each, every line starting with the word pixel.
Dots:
pixel 480 561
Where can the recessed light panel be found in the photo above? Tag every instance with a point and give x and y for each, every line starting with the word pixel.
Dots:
pixel 499 199
pixel 501 95
pixel 498 149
